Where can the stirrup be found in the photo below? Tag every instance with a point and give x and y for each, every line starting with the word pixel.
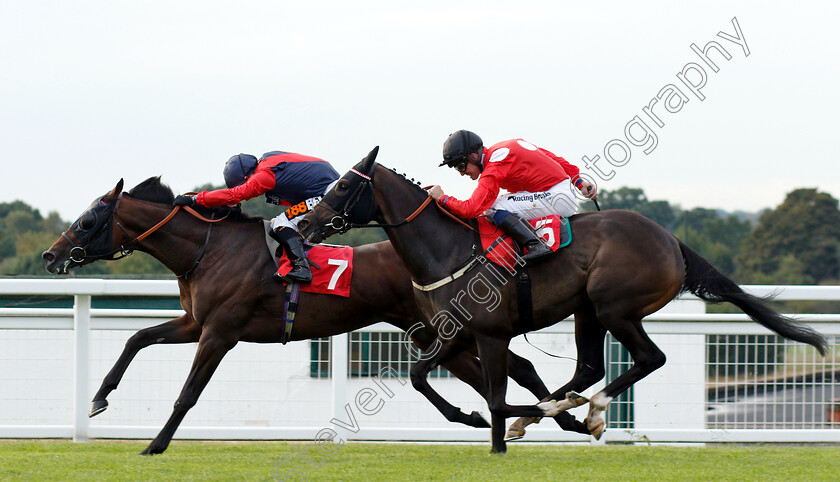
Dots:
pixel 295 276
pixel 539 250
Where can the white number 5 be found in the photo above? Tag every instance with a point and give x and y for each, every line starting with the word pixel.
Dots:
pixel 342 265
pixel 543 229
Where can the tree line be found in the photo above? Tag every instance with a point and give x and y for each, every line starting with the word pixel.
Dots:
pixel 797 242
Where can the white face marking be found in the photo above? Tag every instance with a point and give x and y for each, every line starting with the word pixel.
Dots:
pixel 527 145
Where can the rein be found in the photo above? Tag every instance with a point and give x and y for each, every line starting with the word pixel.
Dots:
pixel 394 225
pixel 125 250
pixel 169 217
pixel 340 221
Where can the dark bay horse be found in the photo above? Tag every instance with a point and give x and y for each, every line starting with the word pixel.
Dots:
pixel 619 268
pixel 229 296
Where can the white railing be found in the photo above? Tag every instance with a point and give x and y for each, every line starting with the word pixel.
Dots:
pixel 686 317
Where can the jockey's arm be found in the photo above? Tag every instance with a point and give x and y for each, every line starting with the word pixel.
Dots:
pixel 261 181
pixel 482 198
pixel 572 170
pixel 588 189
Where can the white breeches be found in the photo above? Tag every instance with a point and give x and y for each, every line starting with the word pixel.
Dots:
pixel 559 200
pixel 292 216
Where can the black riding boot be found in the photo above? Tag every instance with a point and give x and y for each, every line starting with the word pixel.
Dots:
pixel 293 243
pixel 524 234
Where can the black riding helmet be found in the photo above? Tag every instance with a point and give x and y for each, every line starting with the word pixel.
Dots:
pixel 458 147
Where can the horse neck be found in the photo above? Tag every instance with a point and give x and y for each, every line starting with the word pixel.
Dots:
pixel 432 245
pixel 174 244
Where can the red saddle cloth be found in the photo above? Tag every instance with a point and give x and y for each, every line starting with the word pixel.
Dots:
pixel 333 276
pixel 503 254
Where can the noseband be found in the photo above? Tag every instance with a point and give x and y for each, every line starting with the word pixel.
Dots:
pixel 78 252
pixel 342 217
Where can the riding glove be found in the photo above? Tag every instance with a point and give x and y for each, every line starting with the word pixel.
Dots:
pixel 183 200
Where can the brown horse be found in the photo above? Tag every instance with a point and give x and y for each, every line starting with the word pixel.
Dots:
pixel 619 268
pixel 229 296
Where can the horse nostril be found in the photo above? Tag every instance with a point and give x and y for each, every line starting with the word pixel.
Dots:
pixel 48 257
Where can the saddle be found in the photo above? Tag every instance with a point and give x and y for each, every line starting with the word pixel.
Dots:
pixel 500 249
pixel 503 251
pixel 332 270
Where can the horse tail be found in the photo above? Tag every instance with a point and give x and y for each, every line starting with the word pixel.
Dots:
pixel 704 281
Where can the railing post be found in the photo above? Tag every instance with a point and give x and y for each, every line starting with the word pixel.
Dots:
pixel 81 363
pixel 339 355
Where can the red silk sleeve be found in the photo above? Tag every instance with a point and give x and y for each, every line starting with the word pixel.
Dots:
pixel 571 170
pixel 482 198
pixel 261 181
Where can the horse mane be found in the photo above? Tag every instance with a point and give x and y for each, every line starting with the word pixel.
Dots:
pixel 152 190
pixel 404 177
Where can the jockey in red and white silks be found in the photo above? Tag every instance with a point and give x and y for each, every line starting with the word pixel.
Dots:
pixel 539 183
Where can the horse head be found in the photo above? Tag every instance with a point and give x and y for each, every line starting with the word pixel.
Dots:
pixel 89 238
pixel 349 203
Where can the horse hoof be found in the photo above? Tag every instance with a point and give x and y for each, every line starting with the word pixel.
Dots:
pixel 597 429
pixel 97 407
pixel 517 429
pixel 152 451
pixel 576 398
pixel 477 421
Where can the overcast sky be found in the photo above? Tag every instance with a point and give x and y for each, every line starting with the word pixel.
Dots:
pixel 95 91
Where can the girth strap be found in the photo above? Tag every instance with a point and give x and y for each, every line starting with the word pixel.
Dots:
pixel 523 296
pixel 289 311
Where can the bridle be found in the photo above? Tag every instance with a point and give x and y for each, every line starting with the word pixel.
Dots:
pixel 342 220
pixel 79 251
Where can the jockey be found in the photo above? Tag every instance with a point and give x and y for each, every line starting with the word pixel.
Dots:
pixel 286 179
pixel 539 185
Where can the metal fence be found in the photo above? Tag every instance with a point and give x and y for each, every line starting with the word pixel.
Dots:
pixel 726 379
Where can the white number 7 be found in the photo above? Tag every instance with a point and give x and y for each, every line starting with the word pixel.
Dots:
pixel 342 265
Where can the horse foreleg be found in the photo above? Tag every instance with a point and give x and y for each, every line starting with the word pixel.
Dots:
pixel 211 350
pixel 493 355
pixel 522 372
pixel 180 330
pixel 589 341
pixel 444 351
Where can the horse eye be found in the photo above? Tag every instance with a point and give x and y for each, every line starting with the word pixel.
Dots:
pixel 88 221
pixel 342 187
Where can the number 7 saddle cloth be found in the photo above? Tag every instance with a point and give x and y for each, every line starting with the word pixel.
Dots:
pixel 332 267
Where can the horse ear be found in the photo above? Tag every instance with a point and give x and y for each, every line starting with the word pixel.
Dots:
pixel 369 162
pixel 118 188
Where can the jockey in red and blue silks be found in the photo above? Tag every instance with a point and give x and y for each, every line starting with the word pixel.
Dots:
pixel 286 179
pixel 539 184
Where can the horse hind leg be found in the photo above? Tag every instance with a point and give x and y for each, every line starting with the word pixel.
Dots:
pixel 211 350
pixel 452 355
pixel 647 357
pixel 180 330
pixel 492 353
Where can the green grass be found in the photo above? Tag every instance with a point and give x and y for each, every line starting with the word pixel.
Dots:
pixel 117 460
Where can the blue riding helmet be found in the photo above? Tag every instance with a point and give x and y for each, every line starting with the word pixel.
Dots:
pixel 238 168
